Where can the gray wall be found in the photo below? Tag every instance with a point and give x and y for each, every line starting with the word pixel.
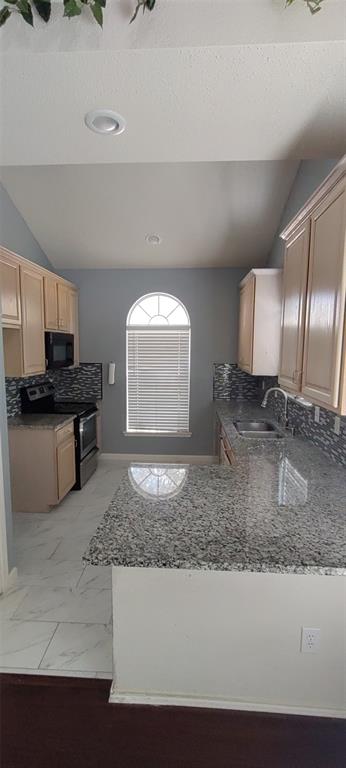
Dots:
pixel 211 298
pixel 310 174
pixel 15 235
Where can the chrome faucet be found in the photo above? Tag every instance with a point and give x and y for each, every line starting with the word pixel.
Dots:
pixel 284 394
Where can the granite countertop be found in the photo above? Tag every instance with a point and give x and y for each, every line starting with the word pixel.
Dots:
pixel 280 508
pixel 40 420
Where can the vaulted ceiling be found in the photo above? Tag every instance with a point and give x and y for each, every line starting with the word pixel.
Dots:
pixel 200 83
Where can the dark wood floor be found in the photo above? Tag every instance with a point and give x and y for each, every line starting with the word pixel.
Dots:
pixel 51 722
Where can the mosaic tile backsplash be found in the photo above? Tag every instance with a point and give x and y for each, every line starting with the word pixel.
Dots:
pixel 82 383
pixel 231 383
pixel 322 434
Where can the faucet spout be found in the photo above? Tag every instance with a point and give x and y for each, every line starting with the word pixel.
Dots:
pixel 283 393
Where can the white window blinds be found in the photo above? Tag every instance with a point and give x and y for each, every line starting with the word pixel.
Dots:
pixel 158 379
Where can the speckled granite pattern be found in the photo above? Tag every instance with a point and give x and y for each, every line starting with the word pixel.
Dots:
pixel 230 383
pixel 281 508
pixel 40 421
pixel 81 383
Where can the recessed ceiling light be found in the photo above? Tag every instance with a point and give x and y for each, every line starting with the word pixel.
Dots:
pixel 105 121
pixel 153 239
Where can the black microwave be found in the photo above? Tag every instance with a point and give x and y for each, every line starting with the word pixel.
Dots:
pixel 59 349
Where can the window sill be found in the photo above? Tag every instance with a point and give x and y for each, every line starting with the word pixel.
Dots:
pixel 157 434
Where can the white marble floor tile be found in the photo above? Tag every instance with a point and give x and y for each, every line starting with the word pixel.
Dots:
pixel 23 643
pixel 64 511
pixel 92 511
pixel 80 647
pixel 72 548
pixel 36 545
pixel 51 573
pixel 96 576
pixel 54 672
pixel 10 602
pixel 62 604
pixel 65 530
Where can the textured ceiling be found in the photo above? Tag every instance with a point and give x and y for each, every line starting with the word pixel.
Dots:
pixel 202 85
pixel 208 214
pixel 262 102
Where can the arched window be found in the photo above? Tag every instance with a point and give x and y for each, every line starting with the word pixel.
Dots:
pixel 157 482
pixel 158 366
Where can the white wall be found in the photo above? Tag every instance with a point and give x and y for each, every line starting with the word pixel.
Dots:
pixel 229 639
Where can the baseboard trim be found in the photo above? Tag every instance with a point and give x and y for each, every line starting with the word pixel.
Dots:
pixel 205 703
pixel 164 458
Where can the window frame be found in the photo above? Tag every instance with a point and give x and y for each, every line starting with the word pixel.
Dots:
pixel 134 327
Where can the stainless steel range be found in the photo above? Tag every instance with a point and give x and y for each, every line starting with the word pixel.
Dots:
pixel 40 398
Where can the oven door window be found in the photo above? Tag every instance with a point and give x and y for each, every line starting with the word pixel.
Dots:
pixel 87 432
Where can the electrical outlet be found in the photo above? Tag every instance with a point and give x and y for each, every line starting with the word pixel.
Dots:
pixel 317 414
pixel 337 425
pixel 310 640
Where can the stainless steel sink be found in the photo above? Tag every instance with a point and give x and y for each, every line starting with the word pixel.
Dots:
pixel 259 429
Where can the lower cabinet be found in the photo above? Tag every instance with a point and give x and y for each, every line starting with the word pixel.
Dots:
pixel 43 466
pixel 224 450
pixel 66 469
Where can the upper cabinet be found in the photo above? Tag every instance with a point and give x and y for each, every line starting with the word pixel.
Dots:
pixel 313 320
pixel 33 300
pixel 246 316
pixel 259 322
pixel 64 307
pixel 51 303
pixel 10 290
pixel 33 321
pixel 293 307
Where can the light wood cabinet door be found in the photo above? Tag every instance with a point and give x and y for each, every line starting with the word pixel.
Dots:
pixel 50 303
pixel 74 323
pixel 246 322
pixel 33 321
pixel 10 291
pixel 64 310
pixel 325 309
pixel 293 308
pixel 66 468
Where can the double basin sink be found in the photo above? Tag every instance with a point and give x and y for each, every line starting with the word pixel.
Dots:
pixel 259 429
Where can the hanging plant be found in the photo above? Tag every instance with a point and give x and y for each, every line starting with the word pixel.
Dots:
pixel 75 7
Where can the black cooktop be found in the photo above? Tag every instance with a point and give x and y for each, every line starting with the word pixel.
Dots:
pixel 40 398
pixel 69 406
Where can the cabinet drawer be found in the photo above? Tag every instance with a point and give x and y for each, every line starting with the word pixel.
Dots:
pixel 64 432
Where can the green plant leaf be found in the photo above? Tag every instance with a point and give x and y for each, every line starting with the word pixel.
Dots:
pixel 5 14
pixel 97 13
pixel 102 3
pixel 25 10
pixel 43 8
pixel 71 8
pixel 150 4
